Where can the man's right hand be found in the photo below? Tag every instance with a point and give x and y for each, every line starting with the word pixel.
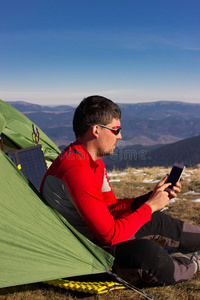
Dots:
pixel 159 198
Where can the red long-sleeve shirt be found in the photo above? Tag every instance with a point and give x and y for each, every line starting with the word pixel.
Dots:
pixel 75 178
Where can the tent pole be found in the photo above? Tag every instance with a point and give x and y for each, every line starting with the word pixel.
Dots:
pixel 130 286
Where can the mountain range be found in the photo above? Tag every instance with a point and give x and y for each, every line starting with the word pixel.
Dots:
pixel 155 133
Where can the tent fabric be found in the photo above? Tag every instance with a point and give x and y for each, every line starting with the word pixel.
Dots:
pixel 2 122
pixel 37 243
pixel 16 131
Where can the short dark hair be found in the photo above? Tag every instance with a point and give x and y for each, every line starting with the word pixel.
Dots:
pixel 95 110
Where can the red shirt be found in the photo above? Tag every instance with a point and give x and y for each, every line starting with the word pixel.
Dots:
pixel 109 219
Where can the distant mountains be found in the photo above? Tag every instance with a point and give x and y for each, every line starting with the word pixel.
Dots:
pixel 159 122
pixel 155 133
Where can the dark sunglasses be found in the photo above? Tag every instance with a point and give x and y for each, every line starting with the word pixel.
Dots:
pixel 115 130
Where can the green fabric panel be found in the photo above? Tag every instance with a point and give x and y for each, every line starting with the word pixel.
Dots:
pixel 2 123
pixel 18 128
pixel 36 243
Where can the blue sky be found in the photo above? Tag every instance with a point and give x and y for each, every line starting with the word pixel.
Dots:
pixel 58 52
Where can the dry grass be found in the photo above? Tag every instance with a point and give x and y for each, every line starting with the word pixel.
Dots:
pixel 132 184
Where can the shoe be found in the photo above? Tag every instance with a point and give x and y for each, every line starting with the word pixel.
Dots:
pixel 192 256
pixel 196 259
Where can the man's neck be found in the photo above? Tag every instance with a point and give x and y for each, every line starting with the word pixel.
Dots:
pixel 89 145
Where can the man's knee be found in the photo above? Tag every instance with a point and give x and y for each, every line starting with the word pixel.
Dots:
pixel 145 259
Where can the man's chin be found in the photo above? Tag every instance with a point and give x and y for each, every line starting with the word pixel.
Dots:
pixel 109 153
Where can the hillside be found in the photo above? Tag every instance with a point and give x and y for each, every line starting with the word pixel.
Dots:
pixel 186 151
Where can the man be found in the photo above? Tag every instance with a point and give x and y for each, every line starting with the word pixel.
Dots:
pixel 77 186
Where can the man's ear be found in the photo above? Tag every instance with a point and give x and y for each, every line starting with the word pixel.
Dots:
pixel 95 130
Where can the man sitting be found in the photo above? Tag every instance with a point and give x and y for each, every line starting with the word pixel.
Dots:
pixel 133 230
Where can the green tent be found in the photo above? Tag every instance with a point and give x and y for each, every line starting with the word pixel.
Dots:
pixel 37 243
pixel 17 132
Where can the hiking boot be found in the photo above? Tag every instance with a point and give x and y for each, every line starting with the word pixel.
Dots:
pixel 192 256
pixel 196 259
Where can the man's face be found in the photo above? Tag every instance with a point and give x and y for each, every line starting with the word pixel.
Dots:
pixel 107 139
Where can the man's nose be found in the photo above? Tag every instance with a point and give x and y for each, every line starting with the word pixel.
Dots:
pixel 119 136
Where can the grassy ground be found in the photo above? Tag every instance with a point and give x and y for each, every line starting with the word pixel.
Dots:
pixel 186 207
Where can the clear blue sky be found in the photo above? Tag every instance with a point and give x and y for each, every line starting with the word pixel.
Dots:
pixel 60 51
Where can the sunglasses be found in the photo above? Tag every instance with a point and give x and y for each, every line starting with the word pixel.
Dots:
pixel 115 130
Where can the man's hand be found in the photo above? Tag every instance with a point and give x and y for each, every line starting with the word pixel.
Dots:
pixel 176 189
pixel 160 197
